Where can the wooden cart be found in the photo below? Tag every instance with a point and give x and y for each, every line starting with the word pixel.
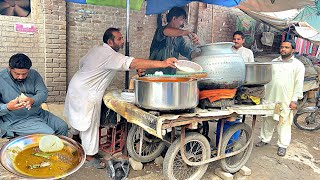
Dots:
pixel 189 152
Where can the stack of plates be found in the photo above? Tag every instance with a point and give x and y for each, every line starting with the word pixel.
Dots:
pixel 128 96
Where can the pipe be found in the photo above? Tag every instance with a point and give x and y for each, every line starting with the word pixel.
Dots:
pixel 127 51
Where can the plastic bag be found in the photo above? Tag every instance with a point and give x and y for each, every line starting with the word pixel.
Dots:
pixel 118 169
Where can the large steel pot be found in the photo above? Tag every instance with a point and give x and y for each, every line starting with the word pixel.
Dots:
pixel 166 93
pixel 225 68
pixel 258 73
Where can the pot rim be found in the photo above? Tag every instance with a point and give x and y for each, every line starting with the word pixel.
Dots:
pixel 217 43
pixel 165 79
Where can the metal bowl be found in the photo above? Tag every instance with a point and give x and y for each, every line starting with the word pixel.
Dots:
pixel 23 142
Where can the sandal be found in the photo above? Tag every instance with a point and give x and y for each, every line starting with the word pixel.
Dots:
pixel 281 151
pixel 97 163
pixel 261 144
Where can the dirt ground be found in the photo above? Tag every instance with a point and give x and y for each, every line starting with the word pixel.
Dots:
pixel 302 160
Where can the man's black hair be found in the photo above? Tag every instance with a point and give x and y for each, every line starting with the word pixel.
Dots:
pixel 293 44
pixel 108 34
pixel 20 61
pixel 176 12
pixel 238 33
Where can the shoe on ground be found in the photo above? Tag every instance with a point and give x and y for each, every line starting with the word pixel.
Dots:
pixel 261 144
pixel 281 151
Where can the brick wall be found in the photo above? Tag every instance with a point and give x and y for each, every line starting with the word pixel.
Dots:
pixel 86 30
pixel 66 31
pixel 55 49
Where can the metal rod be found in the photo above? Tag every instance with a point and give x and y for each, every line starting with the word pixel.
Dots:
pixel 220 136
pixel 141 140
pixel 127 51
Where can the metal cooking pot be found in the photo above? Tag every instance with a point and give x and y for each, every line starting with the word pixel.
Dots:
pixel 166 93
pixel 258 73
pixel 225 68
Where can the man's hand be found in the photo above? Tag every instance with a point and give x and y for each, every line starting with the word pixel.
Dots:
pixel 169 62
pixel 15 105
pixel 194 38
pixel 141 72
pixel 293 105
pixel 28 102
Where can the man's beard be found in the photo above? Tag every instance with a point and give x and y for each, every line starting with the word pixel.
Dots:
pixel 20 80
pixel 117 48
pixel 286 56
pixel 236 46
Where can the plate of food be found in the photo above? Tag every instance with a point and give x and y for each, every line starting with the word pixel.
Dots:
pixel 42 156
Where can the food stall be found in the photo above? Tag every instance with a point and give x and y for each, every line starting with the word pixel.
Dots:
pixel 151 132
pixel 166 111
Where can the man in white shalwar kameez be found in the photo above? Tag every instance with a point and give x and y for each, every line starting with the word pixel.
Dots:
pixel 285 88
pixel 245 53
pixel 86 89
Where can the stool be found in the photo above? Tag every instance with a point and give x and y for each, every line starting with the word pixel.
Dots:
pixel 112 139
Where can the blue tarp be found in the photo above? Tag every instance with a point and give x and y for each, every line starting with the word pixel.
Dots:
pixel 159 6
pixel 78 1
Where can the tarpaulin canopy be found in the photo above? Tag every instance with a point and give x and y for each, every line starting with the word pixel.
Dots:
pixel 274 5
pixel 310 15
pixel 134 4
pixel 154 6
pixel 159 6
pixel 305 22
pixel 280 20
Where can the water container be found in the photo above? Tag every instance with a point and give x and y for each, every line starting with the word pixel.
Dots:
pixel 226 126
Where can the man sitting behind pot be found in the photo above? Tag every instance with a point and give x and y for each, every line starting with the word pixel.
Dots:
pixel 168 40
pixel 24 115
pixel 245 53
pixel 86 89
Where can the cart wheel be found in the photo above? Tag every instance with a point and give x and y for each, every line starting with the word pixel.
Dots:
pixel 151 145
pixel 309 121
pixel 197 148
pixel 234 139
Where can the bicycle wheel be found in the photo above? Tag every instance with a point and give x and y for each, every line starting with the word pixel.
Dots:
pixel 232 142
pixel 151 145
pixel 309 121
pixel 303 101
pixel 197 148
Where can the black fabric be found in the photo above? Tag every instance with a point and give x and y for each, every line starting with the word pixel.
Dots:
pixel 118 169
pixel 108 117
